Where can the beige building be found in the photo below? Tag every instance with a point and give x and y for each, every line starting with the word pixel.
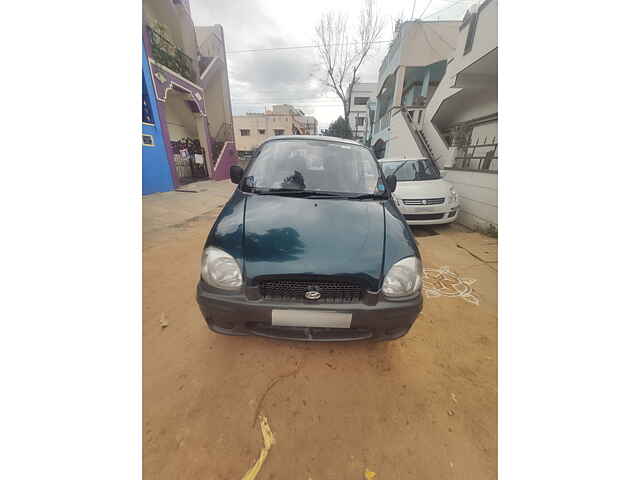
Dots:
pixel 253 128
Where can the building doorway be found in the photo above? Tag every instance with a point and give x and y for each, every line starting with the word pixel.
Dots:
pixel 187 136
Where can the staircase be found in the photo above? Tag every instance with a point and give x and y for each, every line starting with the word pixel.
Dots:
pixel 418 136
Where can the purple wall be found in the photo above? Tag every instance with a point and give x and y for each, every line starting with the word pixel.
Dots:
pixel 227 158
pixel 159 74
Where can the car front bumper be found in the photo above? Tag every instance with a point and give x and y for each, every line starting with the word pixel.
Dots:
pixel 378 318
pixel 429 215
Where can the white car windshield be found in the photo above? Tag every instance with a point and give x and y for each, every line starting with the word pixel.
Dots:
pixel 315 166
pixel 411 170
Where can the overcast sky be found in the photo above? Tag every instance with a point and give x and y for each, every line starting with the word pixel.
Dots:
pixel 261 79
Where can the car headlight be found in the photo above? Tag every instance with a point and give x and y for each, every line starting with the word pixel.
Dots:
pixel 220 270
pixel 453 196
pixel 404 279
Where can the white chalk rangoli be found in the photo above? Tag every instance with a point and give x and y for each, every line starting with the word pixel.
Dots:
pixel 442 282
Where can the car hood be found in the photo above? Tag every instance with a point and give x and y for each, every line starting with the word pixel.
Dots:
pixel 303 236
pixel 423 189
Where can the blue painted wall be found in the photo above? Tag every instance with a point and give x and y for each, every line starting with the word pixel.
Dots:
pixel 156 174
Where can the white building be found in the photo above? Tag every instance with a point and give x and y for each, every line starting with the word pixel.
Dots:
pixel 446 109
pixel 359 113
pixel 460 123
pixel 410 72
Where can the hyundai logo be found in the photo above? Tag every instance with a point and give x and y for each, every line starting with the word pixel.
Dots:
pixel 312 294
pixel 424 202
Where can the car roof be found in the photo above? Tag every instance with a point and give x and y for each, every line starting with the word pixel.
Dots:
pixel 323 138
pixel 398 159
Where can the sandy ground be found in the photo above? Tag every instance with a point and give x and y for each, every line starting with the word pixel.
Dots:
pixel 421 407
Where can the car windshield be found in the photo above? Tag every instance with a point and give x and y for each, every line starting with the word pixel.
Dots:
pixel 411 170
pixel 315 166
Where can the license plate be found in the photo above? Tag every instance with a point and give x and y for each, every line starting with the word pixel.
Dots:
pixel 310 318
pixel 422 209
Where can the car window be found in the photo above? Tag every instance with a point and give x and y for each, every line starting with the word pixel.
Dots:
pixel 411 170
pixel 315 165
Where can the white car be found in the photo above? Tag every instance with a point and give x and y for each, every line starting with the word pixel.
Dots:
pixel 422 196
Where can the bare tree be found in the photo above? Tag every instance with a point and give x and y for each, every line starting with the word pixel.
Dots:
pixel 343 52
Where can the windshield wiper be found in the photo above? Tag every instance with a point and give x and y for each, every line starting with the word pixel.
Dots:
pixel 294 192
pixel 316 194
pixel 367 196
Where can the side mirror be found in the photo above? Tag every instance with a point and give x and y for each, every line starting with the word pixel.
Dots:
pixel 236 173
pixel 391 181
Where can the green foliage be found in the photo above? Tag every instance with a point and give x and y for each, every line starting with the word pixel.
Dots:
pixel 340 128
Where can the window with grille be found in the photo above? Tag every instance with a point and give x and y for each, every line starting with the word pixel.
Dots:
pixel 360 100
pixel 359 121
pixel 261 131
pixel 245 132
pixel 278 131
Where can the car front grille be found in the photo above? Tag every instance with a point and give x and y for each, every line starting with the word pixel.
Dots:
pixel 294 290
pixel 423 201
pixel 424 216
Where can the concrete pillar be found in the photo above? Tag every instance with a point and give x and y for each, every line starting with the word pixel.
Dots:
pixel 203 136
pixel 397 94
pixel 162 114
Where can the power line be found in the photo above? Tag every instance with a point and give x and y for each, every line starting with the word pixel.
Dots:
pixel 429 42
pixel 297 105
pixel 446 8
pixel 285 99
pixel 302 46
pixel 426 8
pixel 442 38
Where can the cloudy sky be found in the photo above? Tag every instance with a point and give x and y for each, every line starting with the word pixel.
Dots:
pixel 294 76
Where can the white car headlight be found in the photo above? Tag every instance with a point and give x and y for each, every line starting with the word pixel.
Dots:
pixel 220 270
pixel 453 196
pixel 404 279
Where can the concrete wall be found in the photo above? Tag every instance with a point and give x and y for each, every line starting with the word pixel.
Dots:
pixel 478 193
pixel 225 160
pixel 181 121
pixel 217 101
pixel 401 143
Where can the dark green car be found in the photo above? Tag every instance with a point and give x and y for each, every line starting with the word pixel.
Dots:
pixel 311 247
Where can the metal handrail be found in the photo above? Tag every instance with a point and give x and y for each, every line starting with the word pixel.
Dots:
pixel 225 132
pixel 166 53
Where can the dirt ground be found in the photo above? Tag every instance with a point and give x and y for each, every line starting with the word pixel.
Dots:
pixel 421 407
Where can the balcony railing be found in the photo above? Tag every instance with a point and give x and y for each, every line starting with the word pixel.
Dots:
pixel 166 53
pixel 383 122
